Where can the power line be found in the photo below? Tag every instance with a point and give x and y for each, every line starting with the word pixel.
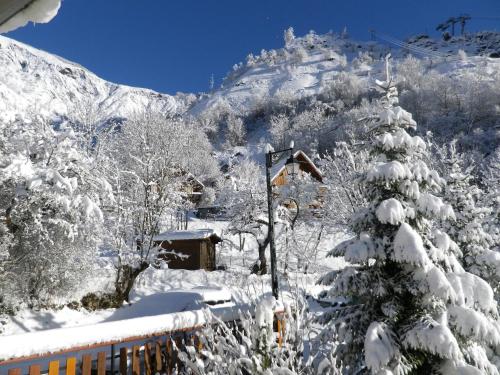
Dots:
pixel 486 18
pixel 416 49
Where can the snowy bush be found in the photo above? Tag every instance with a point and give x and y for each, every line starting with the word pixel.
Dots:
pixel 462 55
pixel 288 36
pixel 250 346
pixel 300 53
pixel 345 87
pixel 51 197
pixel 467 228
pixel 491 198
pixel 235 131
pixel 279 127
pixel 246 204
pixel 411 306
pixel 342 168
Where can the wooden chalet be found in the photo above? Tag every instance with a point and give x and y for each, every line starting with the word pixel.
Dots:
pixel 280 178
pixel 279 174
pixel 188 249
pixel 192 188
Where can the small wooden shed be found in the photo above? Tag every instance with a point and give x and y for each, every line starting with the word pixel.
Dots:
pixel 188 249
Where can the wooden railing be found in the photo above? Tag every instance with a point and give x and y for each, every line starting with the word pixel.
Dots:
pixel 147 354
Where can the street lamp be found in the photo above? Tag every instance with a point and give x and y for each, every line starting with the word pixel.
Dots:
pixel 292 168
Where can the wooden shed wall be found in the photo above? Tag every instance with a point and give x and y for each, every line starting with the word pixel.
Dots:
pixel 201 254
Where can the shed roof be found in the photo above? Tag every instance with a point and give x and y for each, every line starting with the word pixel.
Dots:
pixel 184 235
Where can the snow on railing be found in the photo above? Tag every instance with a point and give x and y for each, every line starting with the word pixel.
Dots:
pixel 56 340
pixel 122 341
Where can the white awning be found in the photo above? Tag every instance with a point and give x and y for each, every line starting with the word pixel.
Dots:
pixel 17 13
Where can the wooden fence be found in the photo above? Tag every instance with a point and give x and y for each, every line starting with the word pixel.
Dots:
pixel 149 354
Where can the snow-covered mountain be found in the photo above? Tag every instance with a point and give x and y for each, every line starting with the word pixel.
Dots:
pixel 306 65
pixel 34 81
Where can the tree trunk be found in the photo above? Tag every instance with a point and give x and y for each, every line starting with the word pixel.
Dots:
pixel 260 267
pixel 125 280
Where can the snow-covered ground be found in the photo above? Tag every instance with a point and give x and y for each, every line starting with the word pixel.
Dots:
pixel 152 293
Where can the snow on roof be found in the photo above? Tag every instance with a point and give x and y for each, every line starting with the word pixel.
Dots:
pixel 280 165
pixel 192 177
pixel 18 13
pixel 179 235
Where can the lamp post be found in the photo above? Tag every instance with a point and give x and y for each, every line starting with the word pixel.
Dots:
pixel 292 168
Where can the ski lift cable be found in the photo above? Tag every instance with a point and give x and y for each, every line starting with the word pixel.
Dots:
pixel 415 49
pixel 486 18
pixel 420 50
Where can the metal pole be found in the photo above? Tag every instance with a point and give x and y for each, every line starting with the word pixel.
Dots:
pixel 270 233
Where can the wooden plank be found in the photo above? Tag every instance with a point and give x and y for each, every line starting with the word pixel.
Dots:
pixel 158 359
pixel 86 364
pixel 280 337
pixel 71 366
pixel 147 359
pixel 101 363
pixel 180 343
pixel 54 368
pixel 136 361
pixel 169 356
pixel 35 370
pixel 15 371
pixel 199 345
pixel 123 361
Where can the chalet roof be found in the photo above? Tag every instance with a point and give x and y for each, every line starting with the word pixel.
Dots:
pixel 280 165
pixel 184 235
pixel 190 177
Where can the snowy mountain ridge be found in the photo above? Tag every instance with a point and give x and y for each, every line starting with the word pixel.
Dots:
pixel 307 65
pixel 34 80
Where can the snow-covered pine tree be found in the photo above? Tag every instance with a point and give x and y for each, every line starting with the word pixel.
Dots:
pixel 466 229
pixel 410 306
pixel 491 198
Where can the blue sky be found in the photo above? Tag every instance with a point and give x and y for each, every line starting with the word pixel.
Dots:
pixel 172 46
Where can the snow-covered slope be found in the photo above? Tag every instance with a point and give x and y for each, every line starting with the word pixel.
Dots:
pixel 307 65
pixel 33 81
pixel 485 43
pixel 301 69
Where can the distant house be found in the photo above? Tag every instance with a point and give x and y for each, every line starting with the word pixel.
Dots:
pixel 192 188
pixel 188 249
pixel 280 178
pixel 279 175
